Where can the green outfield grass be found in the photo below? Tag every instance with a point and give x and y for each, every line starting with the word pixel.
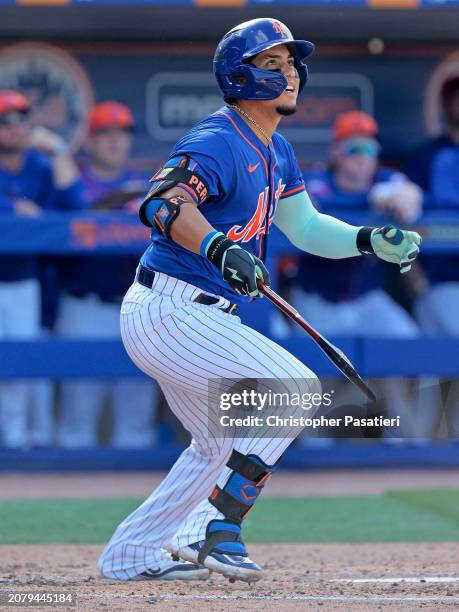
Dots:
pixel 401 516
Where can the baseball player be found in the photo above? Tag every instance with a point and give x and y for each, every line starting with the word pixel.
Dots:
pixel 210 209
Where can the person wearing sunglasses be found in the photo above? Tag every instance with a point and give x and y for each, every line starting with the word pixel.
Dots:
pixel 37 172
pixel 355 178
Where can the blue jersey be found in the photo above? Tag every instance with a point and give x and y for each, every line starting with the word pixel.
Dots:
pixel 246 180
pixel 83 274
pixel 35 182
pixel 444 183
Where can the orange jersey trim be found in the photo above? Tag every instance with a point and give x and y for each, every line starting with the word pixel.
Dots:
pixel 290 192
pixel 248 142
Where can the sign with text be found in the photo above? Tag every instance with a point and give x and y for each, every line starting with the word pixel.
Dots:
pixel 176 101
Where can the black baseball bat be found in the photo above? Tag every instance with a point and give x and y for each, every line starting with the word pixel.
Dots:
pixel 334 353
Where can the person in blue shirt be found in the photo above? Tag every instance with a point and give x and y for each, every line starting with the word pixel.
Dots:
pixel 437 301
pixel 37 173
pixel 445 178
pixel 420 160
pixel 93 286
pixel 434 166
pixel 210 209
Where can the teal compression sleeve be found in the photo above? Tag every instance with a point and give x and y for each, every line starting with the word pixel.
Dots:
pixel 314 232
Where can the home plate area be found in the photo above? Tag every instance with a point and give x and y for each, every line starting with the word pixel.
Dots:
pixel 370 576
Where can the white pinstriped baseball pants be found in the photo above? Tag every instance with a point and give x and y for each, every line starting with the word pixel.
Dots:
pixel 183 344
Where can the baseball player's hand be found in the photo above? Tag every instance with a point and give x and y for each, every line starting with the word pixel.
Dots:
pixel 239 268
pixel 395 245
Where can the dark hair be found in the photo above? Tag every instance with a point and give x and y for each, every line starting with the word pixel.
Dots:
pixel 230 100
pixel 449 87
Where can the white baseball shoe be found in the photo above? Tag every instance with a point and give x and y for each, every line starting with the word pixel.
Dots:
pixel 232 566
pixel 167 568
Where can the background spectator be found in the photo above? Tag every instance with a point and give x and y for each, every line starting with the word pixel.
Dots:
pixel 421 161
pixel 445 177
pixel 93 289
pixel 36 172
pixel 438 285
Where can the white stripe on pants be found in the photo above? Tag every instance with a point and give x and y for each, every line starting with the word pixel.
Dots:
pixel 183 344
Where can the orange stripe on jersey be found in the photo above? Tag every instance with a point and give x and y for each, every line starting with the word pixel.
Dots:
pixel 247 141
pixel 290 192
pixel 188 190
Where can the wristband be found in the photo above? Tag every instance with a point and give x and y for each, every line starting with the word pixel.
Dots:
pixel 206 241
pixel 363 240
pixel 217 247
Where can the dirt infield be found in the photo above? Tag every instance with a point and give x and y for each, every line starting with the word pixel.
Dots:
pixel 306 576
pixel 297 576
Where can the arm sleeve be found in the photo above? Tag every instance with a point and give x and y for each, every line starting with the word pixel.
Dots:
pixel 315 232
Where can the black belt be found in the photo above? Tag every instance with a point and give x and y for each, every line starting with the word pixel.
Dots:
pixel 146 277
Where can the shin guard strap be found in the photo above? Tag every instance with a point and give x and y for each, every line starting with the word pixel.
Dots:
pixel 229 506
pixel 247 467
pixel 214 539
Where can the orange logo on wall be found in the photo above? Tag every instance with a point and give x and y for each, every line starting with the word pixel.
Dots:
pixel 89 234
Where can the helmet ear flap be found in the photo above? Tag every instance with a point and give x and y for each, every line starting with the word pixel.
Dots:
pixel 303 73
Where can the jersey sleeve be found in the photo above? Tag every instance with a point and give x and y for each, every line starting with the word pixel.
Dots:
pixel 209 156
pixel 294 182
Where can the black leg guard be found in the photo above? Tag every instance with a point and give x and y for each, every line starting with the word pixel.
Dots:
pixel 244 485
pixel 234 501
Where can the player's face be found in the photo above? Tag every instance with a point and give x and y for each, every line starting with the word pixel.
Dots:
pixel 279 59
pixel 14 132
pixel 110 148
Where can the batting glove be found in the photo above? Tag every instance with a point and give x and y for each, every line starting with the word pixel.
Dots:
pixel 391 244
pixel 239 268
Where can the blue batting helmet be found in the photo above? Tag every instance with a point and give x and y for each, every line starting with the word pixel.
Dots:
pixel 239 79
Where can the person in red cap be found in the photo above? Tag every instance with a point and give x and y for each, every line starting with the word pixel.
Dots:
pixel 93 288
pixel 354 176
pixel 36 172
pixel 347 297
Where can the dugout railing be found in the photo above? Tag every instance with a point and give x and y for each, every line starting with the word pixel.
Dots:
pixel 60 358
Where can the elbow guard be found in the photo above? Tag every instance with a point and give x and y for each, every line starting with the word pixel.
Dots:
pixel 160 213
